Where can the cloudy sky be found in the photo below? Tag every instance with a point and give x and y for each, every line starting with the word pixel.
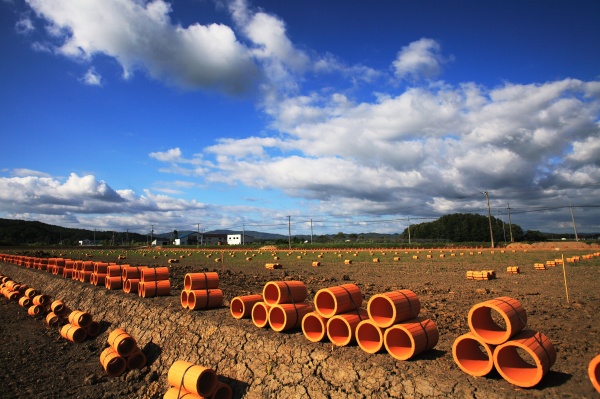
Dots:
pixel 123 114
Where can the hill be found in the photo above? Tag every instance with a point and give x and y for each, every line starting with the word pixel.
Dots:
pixel 24 232
pixel 255 234
pixel 451 228
pixel 463 227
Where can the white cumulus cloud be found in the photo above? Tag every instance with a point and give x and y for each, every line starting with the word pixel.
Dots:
pixel 428 146
pixel 86 202
pixel 92 78
pixel 431 148
pixel 141 36
pixel 420 59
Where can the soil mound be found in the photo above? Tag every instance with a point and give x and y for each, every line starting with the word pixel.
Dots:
pixel 552 245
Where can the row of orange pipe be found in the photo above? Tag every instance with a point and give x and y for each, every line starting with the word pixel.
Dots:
pixel 155 282
pixel 390 320
pixel 75 325
pixel 505 352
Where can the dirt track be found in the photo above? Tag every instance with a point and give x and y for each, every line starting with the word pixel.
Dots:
pixel 36 362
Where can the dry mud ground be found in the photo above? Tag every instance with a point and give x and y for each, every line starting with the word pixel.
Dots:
pixel 35 362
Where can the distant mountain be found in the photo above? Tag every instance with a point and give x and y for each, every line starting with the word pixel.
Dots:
pixel 450 227
pixel 24 232
pixel 254 234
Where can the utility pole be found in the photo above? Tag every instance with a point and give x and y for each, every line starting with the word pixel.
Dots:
pixel 127 238
pixel 243 233
pixel 509 223
pixel 487 199
pixel 94 236
pixel 289 232
pixel 198 236
pixel 151 234
pixel 409 229
pixel 574 225
pixel 311 231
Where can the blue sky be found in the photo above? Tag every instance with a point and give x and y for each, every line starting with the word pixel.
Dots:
pixel 123 114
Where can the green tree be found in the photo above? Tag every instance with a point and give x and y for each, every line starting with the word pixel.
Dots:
pixel 534 235
pixel 340 236
pixel 322 239
pixel 462 227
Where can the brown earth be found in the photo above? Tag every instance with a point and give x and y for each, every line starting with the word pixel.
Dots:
pixel 36 362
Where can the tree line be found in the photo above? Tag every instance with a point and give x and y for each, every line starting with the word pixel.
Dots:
pixel 466 227
pixel 458 227
pixel 23 232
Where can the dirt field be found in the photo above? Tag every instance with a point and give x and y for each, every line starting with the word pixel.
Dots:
pixel 35 362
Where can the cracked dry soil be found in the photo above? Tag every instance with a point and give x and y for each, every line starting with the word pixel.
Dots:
pixel 35 362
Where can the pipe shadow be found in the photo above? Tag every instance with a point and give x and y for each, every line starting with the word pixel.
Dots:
pixel 494 375
pixel 553 379
pixel 550 380
pixel 104 325
pixel 430 354
pixel 238 387
pixel 152 352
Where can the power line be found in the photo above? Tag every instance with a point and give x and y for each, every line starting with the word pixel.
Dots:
pixel 554 208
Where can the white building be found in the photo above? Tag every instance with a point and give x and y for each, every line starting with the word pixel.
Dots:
pixel 195 238
pixel 160 242
pixel 190 238
pixel 89 243
pixel 198 238
pixel 214 239
pixel 239 239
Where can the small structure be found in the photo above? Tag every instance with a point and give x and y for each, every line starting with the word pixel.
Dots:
pixel 214 239
pixel 188 238
pixel 159 242
pixel 191 237
pixel 239 239
pixel 89 243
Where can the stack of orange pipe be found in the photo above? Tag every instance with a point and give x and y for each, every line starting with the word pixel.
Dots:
pixel 125 276
pixel 154 282
pixel 286 304
pixel 490 345
pixel 201 291
pixel 76 329
pixel 481 275
pixel 122 354
pixel 191 381
pixel 337 313
pixel 241 306
pixel 394 323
